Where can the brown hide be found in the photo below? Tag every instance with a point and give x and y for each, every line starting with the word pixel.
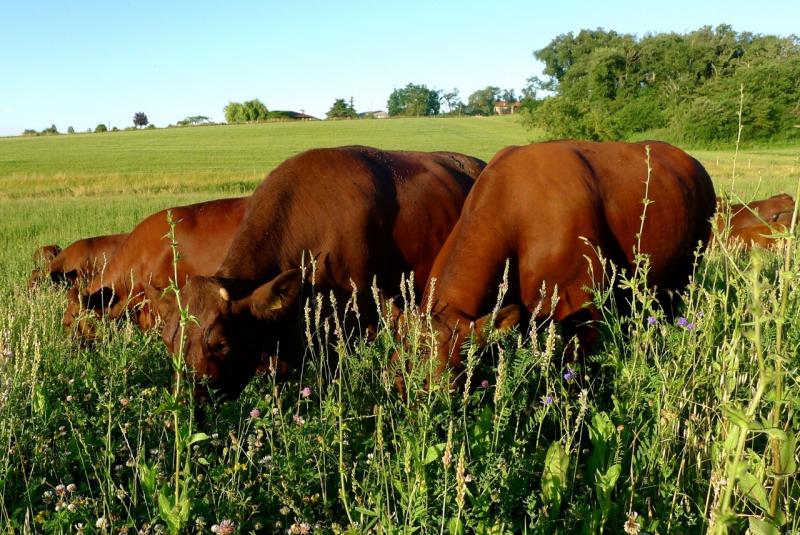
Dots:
pixel 359 211
pixel 546 207
pixel 203 232
pixel 753 223
pixel 82 259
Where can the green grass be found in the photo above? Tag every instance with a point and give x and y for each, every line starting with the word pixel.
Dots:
pixel 220 158
pixel 693 430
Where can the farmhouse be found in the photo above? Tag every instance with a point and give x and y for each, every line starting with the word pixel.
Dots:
pixel 503 107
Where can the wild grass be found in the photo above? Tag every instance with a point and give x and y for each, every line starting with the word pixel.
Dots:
pixel 685 426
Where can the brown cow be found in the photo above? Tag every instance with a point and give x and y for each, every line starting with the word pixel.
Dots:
pixel 82 259
pixel 361 212
pixel 754 223
pixel 548 207
pixel 203 233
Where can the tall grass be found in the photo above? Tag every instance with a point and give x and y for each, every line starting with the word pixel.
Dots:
pixel 671 427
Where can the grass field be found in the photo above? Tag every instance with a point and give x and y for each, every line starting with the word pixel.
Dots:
pixel 686 427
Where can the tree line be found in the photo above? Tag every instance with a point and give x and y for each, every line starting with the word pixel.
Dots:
pixel 689 87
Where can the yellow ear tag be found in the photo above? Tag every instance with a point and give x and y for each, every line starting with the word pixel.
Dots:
pixel 275 304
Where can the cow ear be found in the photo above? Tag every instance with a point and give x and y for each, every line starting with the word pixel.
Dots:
pixel 274 298
pixel 505 318
pixel 163 303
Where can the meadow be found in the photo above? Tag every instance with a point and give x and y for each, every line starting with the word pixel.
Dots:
pixel 686 426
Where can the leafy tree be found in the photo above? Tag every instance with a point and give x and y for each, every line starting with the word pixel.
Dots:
pixel 30 132
pixel 607 85
pixel 413 100
pixel 140 119
pixel 452 101
pixel 70 130
pixel 100 128
pixel 341 109
pixel 194 120
pixel 246 112
pixel 481 102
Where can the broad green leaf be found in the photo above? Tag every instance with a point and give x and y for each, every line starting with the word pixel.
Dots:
pixel 436 451
pixel 762 527
pixel 556 464
pixel 788 461
pixel 753 489
pixel 198 437
pixel 455 526
pixel 740 419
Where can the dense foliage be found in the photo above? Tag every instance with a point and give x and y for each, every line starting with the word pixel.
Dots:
pixel 413 100
pixel 688 87
pixel 246 112
pixel 140 119
pixel 342 109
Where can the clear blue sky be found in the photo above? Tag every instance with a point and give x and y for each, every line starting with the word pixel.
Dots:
pixel 76 63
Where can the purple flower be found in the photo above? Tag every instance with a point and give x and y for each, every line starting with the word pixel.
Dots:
pixel 547 400
pixel 690 326
pixel 682 322
pixel 485 383
pixel 305 392
pixel 255 413
pixel 652 320
pixel 569 375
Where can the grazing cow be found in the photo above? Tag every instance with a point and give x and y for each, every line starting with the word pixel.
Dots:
pixel 82 259
pixel 359 211
pixel 549 208
pixel 753 223
pixel 203 233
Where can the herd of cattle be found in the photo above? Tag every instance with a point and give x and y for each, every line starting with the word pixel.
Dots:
pixel 549 211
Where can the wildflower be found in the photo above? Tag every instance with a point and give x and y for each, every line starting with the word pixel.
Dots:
pixel 101 523
pixel 298 419
pixel 300 528
pixel 124 401
pixel 226 527
pixel 547 400
pixel 447 458
pixel 60 489
pixel 69 399
pixel 72 487
pixel 485 383
pixel 652 320
pixel 305 392
pixel 71 507
pixel 683 322
pixel 632 527
pixel 284 510
pixel 200 523
pixel 569 375
pixel 690 326
pixel 255 413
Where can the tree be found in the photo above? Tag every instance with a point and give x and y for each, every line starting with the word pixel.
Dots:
pixel 140 119
pixel 451 100
pixel 100 128
pixel 194 120
pixel 341 109
pixel 481 102
pixel 70 130
pixel 413 101
pixel 49 131
pixel 605 85
pixel 246 112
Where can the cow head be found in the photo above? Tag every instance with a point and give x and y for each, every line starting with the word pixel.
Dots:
pixel 234 329
pixel 42 258
pixel 451 331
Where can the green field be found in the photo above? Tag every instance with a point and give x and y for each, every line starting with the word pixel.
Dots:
pixel 673 428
